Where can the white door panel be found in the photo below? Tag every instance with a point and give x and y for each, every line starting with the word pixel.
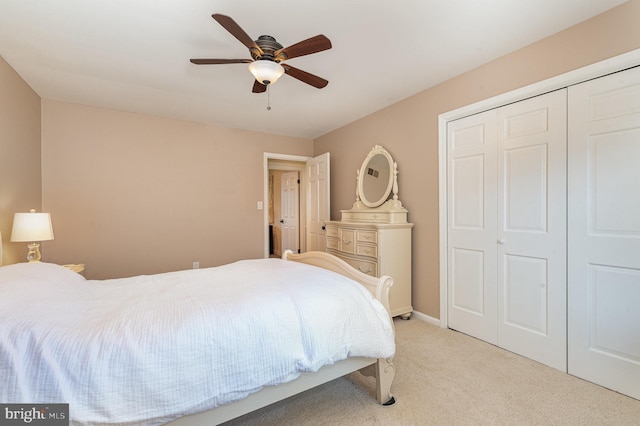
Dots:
pixel 604 231
pixel 613 170
pixel 467 290
pixel 525 297
pixel 525 191
pixel 468 189
pixel 290 206
pixel 507 227
pixel 532 228
pixel 472 207
pixel 318 208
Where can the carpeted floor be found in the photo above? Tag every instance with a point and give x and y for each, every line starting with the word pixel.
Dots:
pixel 447 378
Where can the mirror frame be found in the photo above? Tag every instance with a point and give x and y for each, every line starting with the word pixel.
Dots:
pixel 376 150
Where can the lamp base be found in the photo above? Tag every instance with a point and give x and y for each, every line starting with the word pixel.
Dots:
pixel 34 252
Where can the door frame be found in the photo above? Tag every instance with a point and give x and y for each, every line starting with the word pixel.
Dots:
pixel 607 66
pixel 265 197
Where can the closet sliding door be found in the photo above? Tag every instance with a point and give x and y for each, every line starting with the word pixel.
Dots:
pixel 532 231
pixel 507 227
pixel 604 231
pixel 472 225
pixel 544 229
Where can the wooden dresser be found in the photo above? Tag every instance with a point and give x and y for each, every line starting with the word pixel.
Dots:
pixel 377 249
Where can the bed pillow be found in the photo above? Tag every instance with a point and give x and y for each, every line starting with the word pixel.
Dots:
pixel 39 271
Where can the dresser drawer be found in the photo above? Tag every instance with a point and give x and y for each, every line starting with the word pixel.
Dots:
pixel 367 250
pixel 367 236
pixel 332 232
pixel 369 268
pixel 333 243
pixel 348 241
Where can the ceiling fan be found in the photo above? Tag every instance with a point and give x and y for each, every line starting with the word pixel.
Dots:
pixel 268 56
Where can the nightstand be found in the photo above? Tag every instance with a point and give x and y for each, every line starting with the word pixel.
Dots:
pixel 79 267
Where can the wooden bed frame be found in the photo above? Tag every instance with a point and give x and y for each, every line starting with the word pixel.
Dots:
pixel 382 369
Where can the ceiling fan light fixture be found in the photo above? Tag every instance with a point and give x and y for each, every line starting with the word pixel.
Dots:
pixel 266 71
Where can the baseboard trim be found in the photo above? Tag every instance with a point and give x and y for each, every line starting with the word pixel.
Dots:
pixel 426 318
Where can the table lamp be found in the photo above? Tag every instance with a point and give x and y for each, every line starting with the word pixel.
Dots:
pixel 32 227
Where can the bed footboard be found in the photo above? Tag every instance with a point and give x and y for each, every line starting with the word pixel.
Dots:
pixel 383 370
pixel 379 287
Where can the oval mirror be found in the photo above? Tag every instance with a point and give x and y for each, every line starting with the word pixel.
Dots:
pixel 375 178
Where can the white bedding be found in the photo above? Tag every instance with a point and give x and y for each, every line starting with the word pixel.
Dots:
pixel 148 349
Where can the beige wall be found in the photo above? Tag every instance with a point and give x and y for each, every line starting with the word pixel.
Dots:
pixel 20 179
pixel 409 129
pixel 132 194
pixel 136 194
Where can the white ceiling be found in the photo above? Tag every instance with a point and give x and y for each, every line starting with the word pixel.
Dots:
pixel 133 55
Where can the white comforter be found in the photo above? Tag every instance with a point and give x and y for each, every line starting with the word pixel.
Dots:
pixel 148 349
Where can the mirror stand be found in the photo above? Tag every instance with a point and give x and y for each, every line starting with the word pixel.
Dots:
pixel 376 179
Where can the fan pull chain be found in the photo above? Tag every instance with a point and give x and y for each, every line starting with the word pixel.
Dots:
pixel 268 98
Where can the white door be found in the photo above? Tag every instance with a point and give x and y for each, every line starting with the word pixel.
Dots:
pixel 472 211
pixel 317 202
pixel 289 200
pixel 604 231
pixel 531 240
pixel 507 227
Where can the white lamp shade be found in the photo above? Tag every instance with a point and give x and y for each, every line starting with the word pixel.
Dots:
pixel 31 227
pixel 265 71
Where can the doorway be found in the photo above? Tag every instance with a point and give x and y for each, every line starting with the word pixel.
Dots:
pixel 284 211
pixel 275 166
pixel 314 200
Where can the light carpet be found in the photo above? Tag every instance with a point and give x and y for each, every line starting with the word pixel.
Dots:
pixel 447 378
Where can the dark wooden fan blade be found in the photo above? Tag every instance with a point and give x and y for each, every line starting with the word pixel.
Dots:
pixel 219 61
pixel 236 31
pixel 306 47
pixel 258 87
pixel 305 77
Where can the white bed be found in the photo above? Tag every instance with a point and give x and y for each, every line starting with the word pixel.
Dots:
pixel 194 347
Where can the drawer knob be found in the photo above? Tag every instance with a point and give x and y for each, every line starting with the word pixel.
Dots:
pixel 366 271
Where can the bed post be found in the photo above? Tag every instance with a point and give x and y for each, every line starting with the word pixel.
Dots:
pixel 385 371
